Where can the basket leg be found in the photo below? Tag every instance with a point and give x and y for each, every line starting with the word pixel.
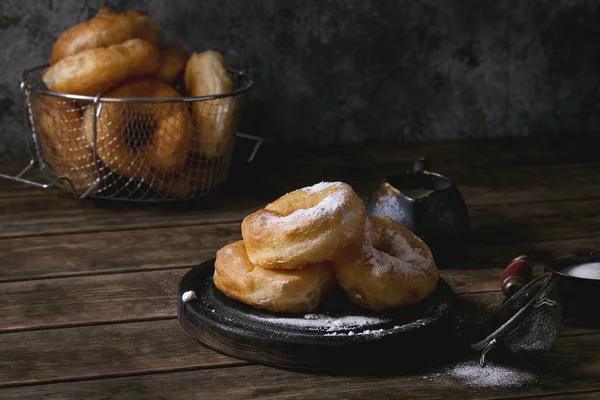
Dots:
pixel 18 177
pixel 92 187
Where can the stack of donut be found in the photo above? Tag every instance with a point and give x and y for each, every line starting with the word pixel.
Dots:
pixel 301 246
pixel 168 145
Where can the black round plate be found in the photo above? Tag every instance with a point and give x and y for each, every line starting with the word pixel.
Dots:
pixel 340 335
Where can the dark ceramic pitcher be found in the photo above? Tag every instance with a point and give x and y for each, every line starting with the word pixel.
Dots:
pixel 428 204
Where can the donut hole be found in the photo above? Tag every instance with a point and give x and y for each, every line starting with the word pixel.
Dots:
pixel 383 246
pixel 382 241
pixel 288 205
pixel 138 133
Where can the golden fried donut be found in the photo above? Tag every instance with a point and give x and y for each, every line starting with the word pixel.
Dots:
pixel 133 138
pixel 106 28
pixel 390 267
pixel 173 58
pixel 305 226
pixel 97 70
pixel 292 290
pixel 205 75
pixel 59 127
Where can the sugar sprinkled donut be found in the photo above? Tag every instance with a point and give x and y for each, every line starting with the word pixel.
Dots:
pixel 106 28
pixel 389 268
pixel 291 290
pixel 305 226
pixel 97 70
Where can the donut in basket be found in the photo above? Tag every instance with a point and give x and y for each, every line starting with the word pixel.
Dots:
pixel 175 147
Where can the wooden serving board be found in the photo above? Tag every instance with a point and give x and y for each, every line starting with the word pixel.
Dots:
pixel 340 336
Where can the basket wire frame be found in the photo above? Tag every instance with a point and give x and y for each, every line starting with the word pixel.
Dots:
pixel 133 149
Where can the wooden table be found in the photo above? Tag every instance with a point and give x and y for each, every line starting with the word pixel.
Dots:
pixel 88 291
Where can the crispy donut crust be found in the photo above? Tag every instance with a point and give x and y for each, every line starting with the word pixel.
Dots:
pixel 305 226
pixel 206 74
pixel 140 140
pixel 389 268
pixel 294 291
pixel 95 71
pixel 60 128
pixel 173 59
pixel 106 28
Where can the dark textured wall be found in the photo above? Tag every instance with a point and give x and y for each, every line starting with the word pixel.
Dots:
pixel 362 70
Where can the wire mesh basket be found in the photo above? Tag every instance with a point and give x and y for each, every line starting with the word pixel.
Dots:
pixel 136 149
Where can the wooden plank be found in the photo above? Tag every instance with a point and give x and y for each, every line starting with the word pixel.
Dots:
pixel 573 366
pixel 75 301
pixel 52 303
pixel 107 350
pixel 97 299
pixel 62 214
pixel 30 215
pixel 501 255
pixel 514 223
pixel 144 347
pixel 581 395
pixel 85 254
pixel 474 153
pixel 484 185
pixel 97 253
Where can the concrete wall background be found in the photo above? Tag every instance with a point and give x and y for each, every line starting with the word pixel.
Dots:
pixel 356 71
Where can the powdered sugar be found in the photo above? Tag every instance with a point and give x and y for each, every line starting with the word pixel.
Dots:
pixel 379 332
pixel 325 323
pixel 323 210
pixel 315 316
pixel 471 374
pixel 188 296
pixel 319 187
pixel 369 332
pixel 344 325
pixel 586 271
pixel 402 258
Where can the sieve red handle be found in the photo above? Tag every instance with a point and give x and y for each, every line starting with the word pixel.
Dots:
pixel 516 275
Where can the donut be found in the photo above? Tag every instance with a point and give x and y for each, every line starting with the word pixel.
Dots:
pixel 305 226
pixel 139 139
pixel 173 58
pixel 58 124
pixel 205 75
pixel 106 28
pixel 291 290
pixel 95 71
pixel 389 268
